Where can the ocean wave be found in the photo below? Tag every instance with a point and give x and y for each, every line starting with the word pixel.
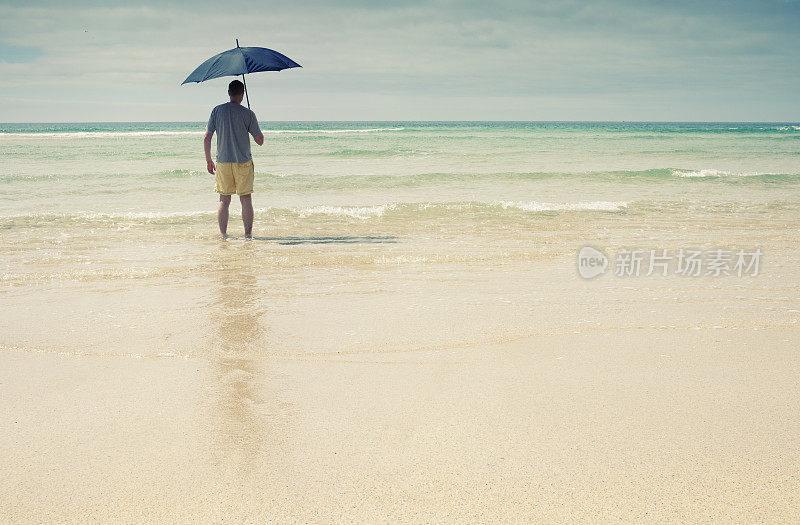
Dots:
pixel 103 217
pixel 312 181
pixel 309 182
pixel 390 210
pixel 147 215
pixel 730 176
pixel 701 173
pixel 99 134
pixel 327 131
pixel 394 212
pixel 355 212
pixel 565 206
pixel 131 177
pixel 388 152
pixel 27 177
pixel 178 174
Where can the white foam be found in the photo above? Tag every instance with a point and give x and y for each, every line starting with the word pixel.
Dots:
pixel 565 206
pixel 712 173
pixel 98 216
pixel 355 212
pixel 143 215
pixel 701 173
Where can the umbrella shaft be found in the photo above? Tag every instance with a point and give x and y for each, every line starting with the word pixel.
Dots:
pixel 245 87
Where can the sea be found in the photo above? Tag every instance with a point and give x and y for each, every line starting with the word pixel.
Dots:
pixel 109 240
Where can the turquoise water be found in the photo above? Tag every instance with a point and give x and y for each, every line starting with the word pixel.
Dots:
pixel 63 178
pixel 374 168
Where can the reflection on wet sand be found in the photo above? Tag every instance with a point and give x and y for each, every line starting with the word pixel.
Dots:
pixel 238 347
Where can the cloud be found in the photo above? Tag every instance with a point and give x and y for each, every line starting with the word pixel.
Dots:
pixel 526 60
pixel 18 54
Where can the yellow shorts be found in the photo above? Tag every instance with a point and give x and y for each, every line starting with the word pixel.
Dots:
pixel 234 177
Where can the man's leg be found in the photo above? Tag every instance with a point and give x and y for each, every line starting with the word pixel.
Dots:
pixel 222 214
pixel 247 214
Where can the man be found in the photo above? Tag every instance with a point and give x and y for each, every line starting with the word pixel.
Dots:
pixel 234 168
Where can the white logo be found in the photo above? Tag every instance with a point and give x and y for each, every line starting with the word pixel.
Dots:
pixel 591 262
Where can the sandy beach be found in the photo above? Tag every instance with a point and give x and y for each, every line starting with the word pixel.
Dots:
pixel 593 408
pixel 400 346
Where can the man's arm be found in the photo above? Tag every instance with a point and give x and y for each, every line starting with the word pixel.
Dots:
pixel 207 147
pixel 254 130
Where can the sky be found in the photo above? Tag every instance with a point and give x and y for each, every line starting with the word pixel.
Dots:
pixel 700 60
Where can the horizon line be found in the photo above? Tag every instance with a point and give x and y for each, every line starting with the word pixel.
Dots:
pixel 417 120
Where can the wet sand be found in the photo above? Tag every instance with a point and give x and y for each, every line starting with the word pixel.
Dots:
pixel 410 394
pixel 635 425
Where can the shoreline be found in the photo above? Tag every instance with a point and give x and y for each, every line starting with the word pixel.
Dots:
pixel 409 336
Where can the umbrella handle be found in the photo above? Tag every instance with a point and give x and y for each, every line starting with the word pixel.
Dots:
pixel 245 91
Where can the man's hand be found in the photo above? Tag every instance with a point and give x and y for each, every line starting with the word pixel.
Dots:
pixel 207 148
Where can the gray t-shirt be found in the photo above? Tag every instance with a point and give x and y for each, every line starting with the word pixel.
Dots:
pixel 233 122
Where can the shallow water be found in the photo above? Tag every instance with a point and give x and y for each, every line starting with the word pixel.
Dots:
pixel 109 241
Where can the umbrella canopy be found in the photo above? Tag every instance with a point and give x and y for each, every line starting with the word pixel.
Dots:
pixel 238 61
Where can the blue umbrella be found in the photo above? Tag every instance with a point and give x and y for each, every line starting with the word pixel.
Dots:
pixel 238 61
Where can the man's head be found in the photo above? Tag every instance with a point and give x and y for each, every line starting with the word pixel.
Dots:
pixel 236 91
